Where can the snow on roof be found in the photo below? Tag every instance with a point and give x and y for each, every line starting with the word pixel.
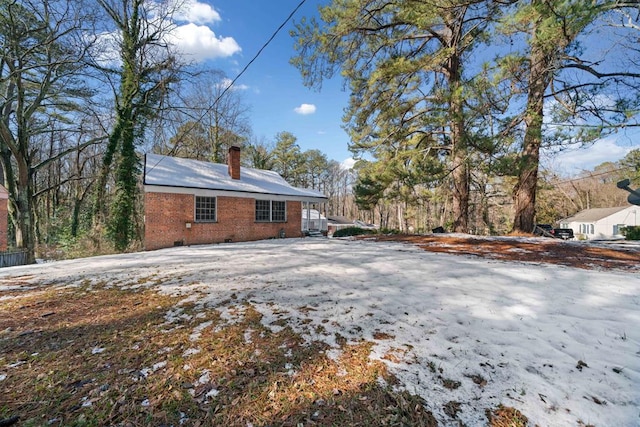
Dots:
pixel 337 219
pixel 313 213
pixel 188 173
pixel 595 214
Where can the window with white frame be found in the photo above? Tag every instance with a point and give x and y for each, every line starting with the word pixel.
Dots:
pixel 271 211
pixel 205 209
pixel 278 211
pixel 617 229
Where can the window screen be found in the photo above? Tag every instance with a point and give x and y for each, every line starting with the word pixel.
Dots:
pixel 278 211
pixel 271 211
pixel 263 210
pixel 205 209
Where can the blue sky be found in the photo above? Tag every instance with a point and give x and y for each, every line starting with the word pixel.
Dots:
pixel 271 87
pixel 226 34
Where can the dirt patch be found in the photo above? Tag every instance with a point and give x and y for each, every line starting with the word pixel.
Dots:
pixel 539 250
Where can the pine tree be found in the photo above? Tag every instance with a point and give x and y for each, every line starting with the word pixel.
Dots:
pixel 404 62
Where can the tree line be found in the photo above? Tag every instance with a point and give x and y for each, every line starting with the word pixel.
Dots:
pixel 452 101
pixel 445 133
pixel 87 87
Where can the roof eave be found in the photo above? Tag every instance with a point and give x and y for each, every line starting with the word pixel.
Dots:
pixel 235 193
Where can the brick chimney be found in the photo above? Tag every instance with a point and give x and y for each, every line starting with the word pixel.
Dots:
pixel 233 160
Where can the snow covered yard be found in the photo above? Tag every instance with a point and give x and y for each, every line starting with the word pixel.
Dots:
pixel 560 344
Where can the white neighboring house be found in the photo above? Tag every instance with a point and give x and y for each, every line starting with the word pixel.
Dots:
pixel 337 222
pixel 602 223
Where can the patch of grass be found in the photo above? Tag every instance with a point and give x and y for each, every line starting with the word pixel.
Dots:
pixel 452 408
pixel 382 336
pixel 478 380
pixel 449 383
pixel 504 416
pixel 98 355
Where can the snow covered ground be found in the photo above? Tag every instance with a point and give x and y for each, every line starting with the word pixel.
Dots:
pixel 560 344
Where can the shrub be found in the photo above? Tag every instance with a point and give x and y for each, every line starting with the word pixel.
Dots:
pixel 352 231
pixel 389 231
pixel 631 232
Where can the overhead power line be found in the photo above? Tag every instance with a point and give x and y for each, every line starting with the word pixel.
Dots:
pixel 275 33
pixel 591 175
pixel 233 81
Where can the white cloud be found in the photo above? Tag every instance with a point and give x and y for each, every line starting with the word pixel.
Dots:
pixel 198 42
pixel 197 12
pixel 226 82
pixel 348 163
pixel 578 159
pixel 105 48
pixel 305 109
pixel 193 39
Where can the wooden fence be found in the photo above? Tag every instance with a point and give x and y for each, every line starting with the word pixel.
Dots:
pixel 12 258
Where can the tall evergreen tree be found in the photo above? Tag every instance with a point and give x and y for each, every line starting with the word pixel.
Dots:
pixel 631 166
pixel 287 158
pixel 258 154
pixel 404 62
pixel 563 84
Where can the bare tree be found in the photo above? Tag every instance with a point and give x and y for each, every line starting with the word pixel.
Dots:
pixel 140 71
pixel 41 53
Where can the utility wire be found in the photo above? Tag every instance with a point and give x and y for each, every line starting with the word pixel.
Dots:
pixel 230 85
pixel 275 33
pixel 591 175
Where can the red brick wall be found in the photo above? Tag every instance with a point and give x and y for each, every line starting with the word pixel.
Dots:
pixel 4 223
pixel 166 215
pixel 233 162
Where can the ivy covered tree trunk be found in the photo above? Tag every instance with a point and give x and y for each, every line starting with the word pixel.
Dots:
pixel 21 210
pixel 120 227
pixel 123 209
pixel 147 69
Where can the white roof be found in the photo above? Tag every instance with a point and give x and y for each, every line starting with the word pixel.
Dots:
pixel 594 214
pixel 188 173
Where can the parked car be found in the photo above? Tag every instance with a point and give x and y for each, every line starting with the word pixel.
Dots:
pixel 548 231
pixel 562 233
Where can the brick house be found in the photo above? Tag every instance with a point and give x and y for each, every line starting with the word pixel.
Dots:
pixel 4 218
pixel 194 202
